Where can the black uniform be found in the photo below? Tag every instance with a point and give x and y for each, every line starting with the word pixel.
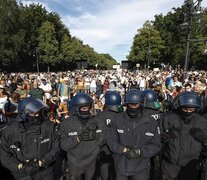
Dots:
pixel 205 115
pixel 20 145
pixel 179 146
pixel 81 156
pixel 141 133
pixel 152 113
pixel 155 171
pixel 203 164
pixel 7 173
pixel 106 156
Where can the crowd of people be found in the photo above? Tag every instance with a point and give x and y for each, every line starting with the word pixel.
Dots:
pixel 104 124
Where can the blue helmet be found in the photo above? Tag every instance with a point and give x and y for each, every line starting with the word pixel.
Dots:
pixel 80 100
pixel 134 96
pixel 187 99
pixel 29 106
pixel 112 98
pixel 113 101
pixel 151 99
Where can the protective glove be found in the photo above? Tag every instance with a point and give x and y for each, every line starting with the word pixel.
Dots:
pixel 34 163
pixel 133 153
pixel 18 145
pixel 24 165
pixel 87 136
pixel 84 136
pixel 170 134
pixel 20 166
pixel 89 133
pixel 37 163
pixel 27 168
pixel 199 135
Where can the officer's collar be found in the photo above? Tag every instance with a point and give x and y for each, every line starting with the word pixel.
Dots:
pixel 35 130
pixel 127 117
pixel 138 118
pixel 149 110
pixel 21 127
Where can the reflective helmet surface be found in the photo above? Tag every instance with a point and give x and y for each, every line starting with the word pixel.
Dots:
pixel 30 105
pixel 151 100
pixel 134 96
pixel 187 99
pixel 81 99
pixel 113 101
pixel 112 98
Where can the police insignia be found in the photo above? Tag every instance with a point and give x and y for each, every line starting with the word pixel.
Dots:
pixel 108 122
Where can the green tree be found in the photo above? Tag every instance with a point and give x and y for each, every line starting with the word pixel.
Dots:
pixel 174 35
pixel 147 45
pixel 47 44
pixel 31 33
pixel 9 37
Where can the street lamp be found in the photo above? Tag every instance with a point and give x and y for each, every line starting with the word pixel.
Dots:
pixel 193 8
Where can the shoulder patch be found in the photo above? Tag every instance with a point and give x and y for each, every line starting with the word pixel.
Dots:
pixel 108 122
pixel 155 116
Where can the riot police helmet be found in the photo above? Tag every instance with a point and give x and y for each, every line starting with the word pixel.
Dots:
pixel 113 101
pixel 79 101
pixel 134 96
pixel 151 99
pixel 188 100
pixel 31 109
pixel 134 100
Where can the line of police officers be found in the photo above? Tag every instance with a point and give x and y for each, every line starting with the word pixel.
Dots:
pixel 136 141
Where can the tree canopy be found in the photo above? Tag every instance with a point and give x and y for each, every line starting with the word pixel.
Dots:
pixel 164 40
pixel 32 35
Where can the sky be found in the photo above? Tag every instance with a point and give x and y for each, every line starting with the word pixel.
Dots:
pixel 108 26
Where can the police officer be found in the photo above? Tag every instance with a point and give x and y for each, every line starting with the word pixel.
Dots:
pixel 204 113
pixel 152 109
pixel 183 136
pixel 112 106
pixel 81 138
pixel 134 139
pixel 31 144
pixel 203 163
pixel 152 106
pixel 7 173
